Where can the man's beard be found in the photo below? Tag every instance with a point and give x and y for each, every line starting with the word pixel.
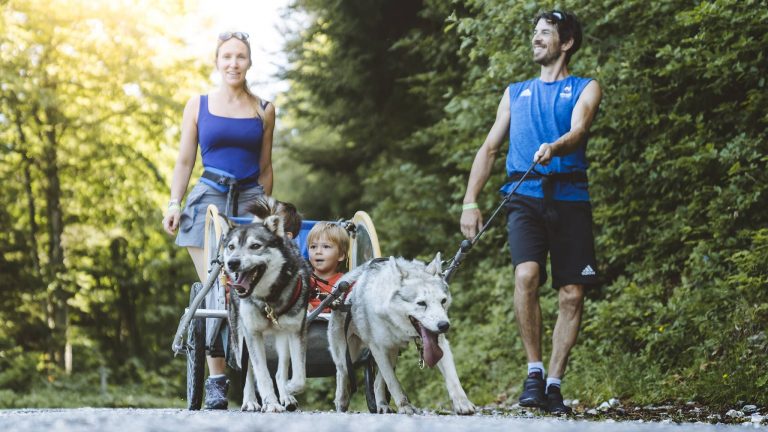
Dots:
pixel 548 59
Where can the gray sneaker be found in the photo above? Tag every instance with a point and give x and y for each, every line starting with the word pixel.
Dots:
pixel 216 393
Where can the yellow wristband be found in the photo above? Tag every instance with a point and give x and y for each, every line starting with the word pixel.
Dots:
pixel 469 206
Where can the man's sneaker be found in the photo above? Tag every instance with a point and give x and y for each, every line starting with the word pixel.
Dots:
pixel 555 403
pixel 533 391
pixel 216 393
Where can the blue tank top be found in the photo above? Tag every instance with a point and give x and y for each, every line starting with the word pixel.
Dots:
pixel 540 112
pixel 229 145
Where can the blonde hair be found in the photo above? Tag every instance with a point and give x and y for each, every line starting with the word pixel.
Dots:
pixel 333 232
pixel 219 42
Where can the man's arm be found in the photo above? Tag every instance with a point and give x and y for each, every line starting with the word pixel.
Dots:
pixel 583 114
pixel 471 219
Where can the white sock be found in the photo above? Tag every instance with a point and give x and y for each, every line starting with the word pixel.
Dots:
pixel 553 381
pixel 216 376
pixel 536 367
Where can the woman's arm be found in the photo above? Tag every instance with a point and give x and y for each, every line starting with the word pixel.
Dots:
pixel 265 163
pixel 185 162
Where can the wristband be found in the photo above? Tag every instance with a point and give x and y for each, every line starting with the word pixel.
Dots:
pixel 469 206
pixel 173 207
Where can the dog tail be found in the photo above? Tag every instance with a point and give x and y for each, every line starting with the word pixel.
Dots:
pixel 263 207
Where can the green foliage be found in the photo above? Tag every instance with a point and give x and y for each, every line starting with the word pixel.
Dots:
pixel 90 103
pixel 678 181
pixel 389 102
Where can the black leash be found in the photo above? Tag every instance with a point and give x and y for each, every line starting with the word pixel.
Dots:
pixel 466 244
pixel 342 288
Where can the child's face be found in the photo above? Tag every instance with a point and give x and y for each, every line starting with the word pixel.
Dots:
pixel 325 256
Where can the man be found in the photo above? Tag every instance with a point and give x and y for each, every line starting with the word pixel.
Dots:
pixel 547 120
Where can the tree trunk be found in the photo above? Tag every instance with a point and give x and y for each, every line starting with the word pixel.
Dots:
pixel 59 318
pixel 26 163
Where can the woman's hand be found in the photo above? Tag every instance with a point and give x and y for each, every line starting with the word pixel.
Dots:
pixel 171 219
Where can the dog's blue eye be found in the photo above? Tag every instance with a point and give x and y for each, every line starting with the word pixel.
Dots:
pixel 422 303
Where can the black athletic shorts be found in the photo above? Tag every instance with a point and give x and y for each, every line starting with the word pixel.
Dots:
pixel 563 229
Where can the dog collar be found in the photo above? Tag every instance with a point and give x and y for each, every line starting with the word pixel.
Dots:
pixel 273 315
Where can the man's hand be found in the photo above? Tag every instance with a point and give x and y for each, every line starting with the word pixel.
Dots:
pixel 471 222
pixel 544 155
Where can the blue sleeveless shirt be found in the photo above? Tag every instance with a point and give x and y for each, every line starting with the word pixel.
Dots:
pixel 540 112
pixel 229 145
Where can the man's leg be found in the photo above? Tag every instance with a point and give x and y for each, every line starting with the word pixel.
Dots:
pixel 216 385
pixel 571 303
pixel 528 315
pixel 527 309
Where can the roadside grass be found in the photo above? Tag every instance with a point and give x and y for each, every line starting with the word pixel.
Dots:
pixel 84 390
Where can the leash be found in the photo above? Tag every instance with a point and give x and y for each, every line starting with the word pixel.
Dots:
pixel 466 244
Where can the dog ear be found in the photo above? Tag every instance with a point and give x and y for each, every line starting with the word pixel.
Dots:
pixel 225 223
pixel 274 223
pixel 396 268
pixel 435 266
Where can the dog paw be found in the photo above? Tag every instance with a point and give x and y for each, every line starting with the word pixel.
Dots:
pixel 406 408
pixel 383 408
pixel 342 406
pixel 250 406
pixel 273 408
pixel 464 407
pixel 289 402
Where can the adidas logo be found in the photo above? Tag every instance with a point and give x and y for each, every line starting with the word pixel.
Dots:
pixel 526 93
pixel 587 271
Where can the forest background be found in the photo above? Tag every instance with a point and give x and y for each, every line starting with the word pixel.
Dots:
pixel 388 102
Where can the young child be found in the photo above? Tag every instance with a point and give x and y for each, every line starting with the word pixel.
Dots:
pixel 291 219
pixel 264 206
pixel 328 243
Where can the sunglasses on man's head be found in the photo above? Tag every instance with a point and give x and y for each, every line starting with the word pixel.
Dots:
pixel 229 35
pixel 559 16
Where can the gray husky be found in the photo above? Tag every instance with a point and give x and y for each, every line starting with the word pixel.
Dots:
pixel 394 301
pixel 269 289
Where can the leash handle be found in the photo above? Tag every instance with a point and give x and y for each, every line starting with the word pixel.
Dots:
pixel 466 245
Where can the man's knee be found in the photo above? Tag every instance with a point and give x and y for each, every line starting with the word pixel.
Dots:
pixel 571 297
pixel 527 277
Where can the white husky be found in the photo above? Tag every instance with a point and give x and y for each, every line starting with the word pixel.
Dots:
pixel 394 301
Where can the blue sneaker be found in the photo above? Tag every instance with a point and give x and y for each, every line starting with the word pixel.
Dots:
pixel 533 391
pixel 216 393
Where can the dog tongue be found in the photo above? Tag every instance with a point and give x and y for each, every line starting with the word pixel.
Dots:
pixel 432 351
pixel 241 282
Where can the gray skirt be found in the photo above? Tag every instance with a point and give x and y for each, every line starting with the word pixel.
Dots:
pixel 192 220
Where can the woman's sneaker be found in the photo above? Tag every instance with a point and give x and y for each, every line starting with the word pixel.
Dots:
pixel 216 393
pixel 555 404
pixel 533 391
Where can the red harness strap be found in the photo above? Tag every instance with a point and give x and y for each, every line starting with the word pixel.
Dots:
pixel 294 297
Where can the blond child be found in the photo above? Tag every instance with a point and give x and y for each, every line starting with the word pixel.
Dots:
pixel 327 243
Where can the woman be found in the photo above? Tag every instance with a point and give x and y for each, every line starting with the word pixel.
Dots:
pixel 234 130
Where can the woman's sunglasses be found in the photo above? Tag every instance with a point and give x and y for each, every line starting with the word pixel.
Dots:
pixel 229 35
